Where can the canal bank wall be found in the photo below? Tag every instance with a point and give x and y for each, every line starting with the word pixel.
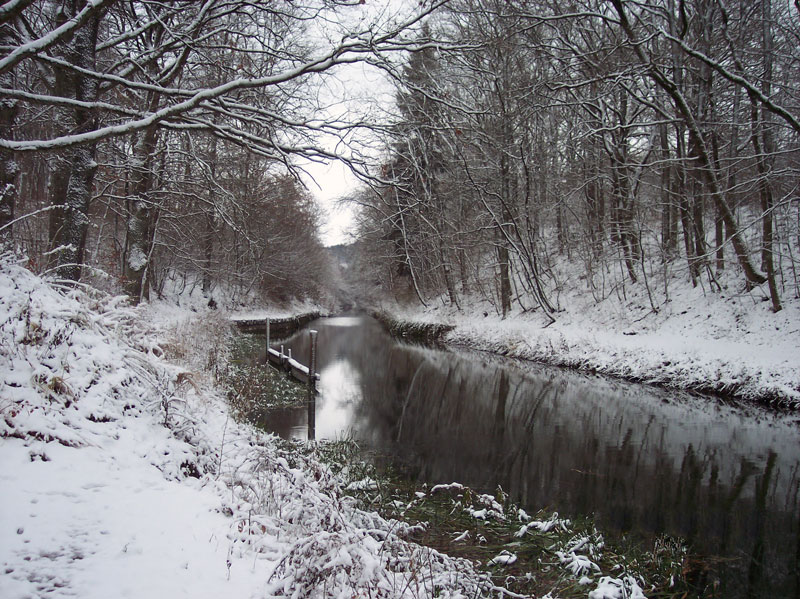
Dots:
pixel 744 369
pixel 428 333
pixel 280 327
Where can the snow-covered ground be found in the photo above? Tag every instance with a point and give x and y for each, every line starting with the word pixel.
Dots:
pixel 724 342
pixel 122 475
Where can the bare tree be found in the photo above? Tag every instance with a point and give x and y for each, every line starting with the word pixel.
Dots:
pixel 551 118
pixel 139 70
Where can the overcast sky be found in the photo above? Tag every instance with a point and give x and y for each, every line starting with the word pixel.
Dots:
pixel 354 89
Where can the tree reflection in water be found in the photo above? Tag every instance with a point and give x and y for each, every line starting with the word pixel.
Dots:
pixel 643 460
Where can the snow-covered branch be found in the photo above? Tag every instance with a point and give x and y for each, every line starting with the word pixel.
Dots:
pixel 44 42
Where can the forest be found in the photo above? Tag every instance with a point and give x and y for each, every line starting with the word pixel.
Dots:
pixel 610 143
pixel 151 145
pixel 532 146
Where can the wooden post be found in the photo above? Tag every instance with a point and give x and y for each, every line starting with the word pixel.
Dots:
pixel 312 419
pixel 312 361
pixel 312 400
pixel 267 342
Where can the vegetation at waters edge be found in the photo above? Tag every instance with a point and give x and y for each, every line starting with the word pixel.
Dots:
pixel 252 386
pixel 554 555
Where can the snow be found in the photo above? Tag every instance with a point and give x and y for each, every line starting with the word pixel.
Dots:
pixel 578 564
pixel 365 484
pixel 615 588
pixel 728 342
pixel 504 558
pixel 491 509
pixel 137 259
pixel 300 367
pixel 101 522
pixel 123 475
pixel 541 525
pixel 463 536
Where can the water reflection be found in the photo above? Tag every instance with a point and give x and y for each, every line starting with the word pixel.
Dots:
pixel 339 386
pixel 642 460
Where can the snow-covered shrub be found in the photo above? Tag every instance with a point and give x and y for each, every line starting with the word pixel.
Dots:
pixel 73 360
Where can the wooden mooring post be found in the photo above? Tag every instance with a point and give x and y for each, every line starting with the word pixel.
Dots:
pixel 266 324
pixel 312 360
pixel 312 380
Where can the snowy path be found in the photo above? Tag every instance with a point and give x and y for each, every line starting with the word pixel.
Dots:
pixel 102 522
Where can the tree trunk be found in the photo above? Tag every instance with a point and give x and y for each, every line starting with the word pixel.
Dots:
pixel 141 214
pixel 503 257
pixel 763 146
pixel 594 184
pixel 697 214
pixel 406 252
pixel 505 277
pixel 451 288
pixel 733 144
pixel 623 211
pixel 719 224
pixel 76 213
pixel 68 227
pixel 667 213
pixel 752 276
pixel 681 192
pixel 208 251
pixel 594 200
pixel 719 241
pixel 8 166
pixel 210 215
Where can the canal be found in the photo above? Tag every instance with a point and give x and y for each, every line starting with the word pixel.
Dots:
pixel 644 461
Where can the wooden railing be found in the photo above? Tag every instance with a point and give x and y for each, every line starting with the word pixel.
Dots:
pixel 285 360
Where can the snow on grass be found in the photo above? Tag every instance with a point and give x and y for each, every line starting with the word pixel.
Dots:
pixel 617 588
pixel 122 477
pixel 727 342
pixel 555 554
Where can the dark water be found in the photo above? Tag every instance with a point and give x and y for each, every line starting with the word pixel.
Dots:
pixel 642 460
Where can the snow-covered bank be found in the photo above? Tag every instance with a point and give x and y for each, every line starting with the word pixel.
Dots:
pixel 280 326
pixel 123 475
pixel 723 343
pixel 288 312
